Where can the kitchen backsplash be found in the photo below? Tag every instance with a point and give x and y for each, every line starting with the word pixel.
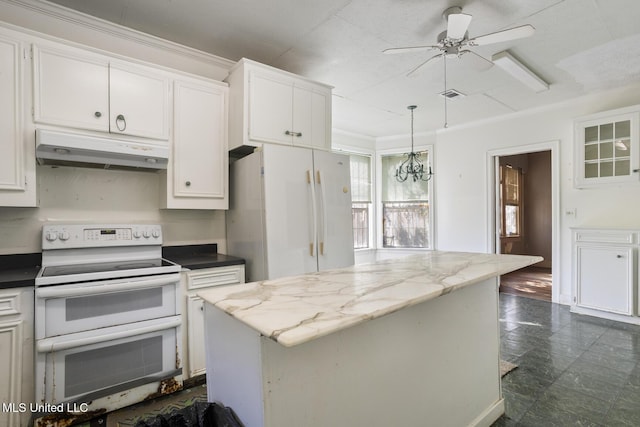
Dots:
pixel 69 194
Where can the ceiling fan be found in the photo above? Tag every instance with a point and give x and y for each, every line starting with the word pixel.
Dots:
pixel 455 41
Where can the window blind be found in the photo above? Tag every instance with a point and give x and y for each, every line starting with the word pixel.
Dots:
pixel 360 178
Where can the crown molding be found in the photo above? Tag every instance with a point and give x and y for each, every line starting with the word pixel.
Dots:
pixel 69 16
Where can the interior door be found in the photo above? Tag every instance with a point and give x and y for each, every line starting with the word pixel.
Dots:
pixel 335 225
pixel 289 211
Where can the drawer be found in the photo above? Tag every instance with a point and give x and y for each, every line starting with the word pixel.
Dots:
pixel 605 236
pixel 219 276
pixel 9 304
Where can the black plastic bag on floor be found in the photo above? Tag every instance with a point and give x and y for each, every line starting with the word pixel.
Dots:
pixel 200 414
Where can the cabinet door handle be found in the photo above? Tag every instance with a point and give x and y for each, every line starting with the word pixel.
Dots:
pixel 120 118
pixel 291 133
pixel 619 256
pixel 98 114
pixel 188 183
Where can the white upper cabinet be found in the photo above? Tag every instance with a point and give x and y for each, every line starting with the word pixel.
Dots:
pixel 78 89
pixel 17 162
pixel 138 102
pixel 607 148
pixel 199 165
pixel 71 89
pixel 311 117
pixel 268 105
pixel 270 108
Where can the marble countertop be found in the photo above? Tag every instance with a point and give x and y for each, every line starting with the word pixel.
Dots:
pixel 297 309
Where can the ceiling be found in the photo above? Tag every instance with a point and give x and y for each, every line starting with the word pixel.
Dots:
pixel 579 46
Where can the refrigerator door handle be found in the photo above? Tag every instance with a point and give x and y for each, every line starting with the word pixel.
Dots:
pixel 312 224
pixel 322 233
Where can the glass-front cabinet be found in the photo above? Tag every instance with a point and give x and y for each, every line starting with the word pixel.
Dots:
pixel 607 149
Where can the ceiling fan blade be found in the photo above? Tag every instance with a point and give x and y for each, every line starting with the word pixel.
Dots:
pixel 503 36
pixel 457 25
pixel 414 72
pixel 478 62
pixel 395 50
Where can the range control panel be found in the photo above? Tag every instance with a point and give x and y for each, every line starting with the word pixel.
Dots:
pixel 59 236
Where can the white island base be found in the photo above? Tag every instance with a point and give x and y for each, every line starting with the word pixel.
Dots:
pixel 435 363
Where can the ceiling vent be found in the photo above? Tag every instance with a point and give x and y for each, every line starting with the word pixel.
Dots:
pixel 452 94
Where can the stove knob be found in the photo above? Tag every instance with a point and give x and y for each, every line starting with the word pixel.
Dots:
pixel 136 234
pixel 51 236
pixel 156 233
pixel 146 234
pixel 64 236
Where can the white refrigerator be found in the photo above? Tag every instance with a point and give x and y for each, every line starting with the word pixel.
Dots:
pixel 290 211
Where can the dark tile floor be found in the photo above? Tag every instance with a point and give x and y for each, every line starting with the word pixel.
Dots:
pixel 573 370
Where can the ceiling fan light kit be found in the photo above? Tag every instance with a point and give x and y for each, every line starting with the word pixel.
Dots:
pixel 517 69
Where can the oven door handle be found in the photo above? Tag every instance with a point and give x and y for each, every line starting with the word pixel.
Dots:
pixel 104 287
pixel 49 345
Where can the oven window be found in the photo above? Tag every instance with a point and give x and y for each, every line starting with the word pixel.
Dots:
pixel 112 303
pixel 92 370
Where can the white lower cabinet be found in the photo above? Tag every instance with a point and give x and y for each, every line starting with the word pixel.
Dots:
pixel 195 281
pixel 605 273
pixel 16 356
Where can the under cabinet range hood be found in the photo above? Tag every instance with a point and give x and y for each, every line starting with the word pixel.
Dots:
pixel 59 148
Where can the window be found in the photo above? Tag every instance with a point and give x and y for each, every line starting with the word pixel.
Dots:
pixel 511 193
pixel 361 199
pixel 406 207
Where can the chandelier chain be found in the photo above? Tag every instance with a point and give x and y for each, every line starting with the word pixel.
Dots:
pixel 446 120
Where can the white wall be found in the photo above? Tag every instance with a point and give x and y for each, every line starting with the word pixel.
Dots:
pixel 95 195
pixel 461 177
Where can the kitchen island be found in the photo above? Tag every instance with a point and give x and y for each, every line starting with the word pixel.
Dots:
pixel 411 341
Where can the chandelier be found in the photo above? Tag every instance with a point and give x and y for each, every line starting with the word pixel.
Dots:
pixel 412 166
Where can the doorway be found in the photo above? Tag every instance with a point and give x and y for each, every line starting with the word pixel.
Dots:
pixel 522 208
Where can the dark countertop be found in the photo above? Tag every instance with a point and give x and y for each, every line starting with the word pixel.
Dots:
pixel 17 271
pixel 195 257
pixel 20 270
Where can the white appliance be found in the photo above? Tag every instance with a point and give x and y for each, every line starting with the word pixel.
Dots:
pixel 62 148
pixel 290 211
pixel 107 320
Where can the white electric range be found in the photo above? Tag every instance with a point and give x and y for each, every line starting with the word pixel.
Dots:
pixel 107 320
